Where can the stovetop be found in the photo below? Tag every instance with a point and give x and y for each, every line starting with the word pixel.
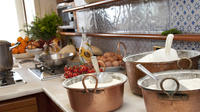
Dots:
pixel 11 79
pixel 45 73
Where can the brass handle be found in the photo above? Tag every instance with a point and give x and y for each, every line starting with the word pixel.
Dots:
pixel 170 94
pixel 118 48
pixel 184 58
pixel 83 82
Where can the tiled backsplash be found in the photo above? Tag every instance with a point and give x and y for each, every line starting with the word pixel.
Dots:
pixel 131 16
pixel 135 46
pixel 153 16
pixel 185 15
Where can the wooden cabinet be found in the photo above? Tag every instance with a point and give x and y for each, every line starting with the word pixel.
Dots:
pixel 34 103
pixel 19 105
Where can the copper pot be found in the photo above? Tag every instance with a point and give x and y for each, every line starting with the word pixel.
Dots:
pixel 96 99
pixel 171 101
pixel 134 74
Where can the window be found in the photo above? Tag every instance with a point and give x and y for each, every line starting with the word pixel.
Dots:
pixel 9 21
pixel 13 17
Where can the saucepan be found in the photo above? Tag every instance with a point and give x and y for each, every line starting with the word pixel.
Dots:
pixel 6 58
pixel 56 59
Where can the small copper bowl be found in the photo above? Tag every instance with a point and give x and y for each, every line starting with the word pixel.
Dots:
pixel 103 99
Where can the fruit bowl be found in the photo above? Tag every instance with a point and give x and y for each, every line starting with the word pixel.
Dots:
pixel 35 52
pixel 23 55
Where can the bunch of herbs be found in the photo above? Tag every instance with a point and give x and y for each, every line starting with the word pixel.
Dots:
pixel 44 28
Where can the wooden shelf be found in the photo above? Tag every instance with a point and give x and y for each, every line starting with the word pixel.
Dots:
pixel 102 2
pixel 184 37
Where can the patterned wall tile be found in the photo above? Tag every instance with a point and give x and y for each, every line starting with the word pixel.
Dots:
pixel 185 15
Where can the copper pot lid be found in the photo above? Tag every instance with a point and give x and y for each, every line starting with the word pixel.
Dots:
pixel 83 81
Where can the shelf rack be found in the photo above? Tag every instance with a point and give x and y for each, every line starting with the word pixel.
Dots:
pixel 184 37
pixel 102 2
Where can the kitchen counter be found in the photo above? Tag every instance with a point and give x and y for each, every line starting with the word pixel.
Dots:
pixel 54 89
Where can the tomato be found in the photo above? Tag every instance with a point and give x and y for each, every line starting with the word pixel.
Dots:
pixel 76 70
pixel 65 74
pixel 69 74
pixel 70 68
pixel 101 70
pixel 75 74
pixel 75 67
pixel 65 69
pixel 66 77
pixel 83 68
pixel 91 71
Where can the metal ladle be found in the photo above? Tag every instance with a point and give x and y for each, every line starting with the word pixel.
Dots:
pixel 170 84
pixel 102 77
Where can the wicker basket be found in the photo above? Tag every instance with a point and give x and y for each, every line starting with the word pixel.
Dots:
pixel 91 1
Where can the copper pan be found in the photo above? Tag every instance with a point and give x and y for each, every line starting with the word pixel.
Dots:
pixel 174 100
pixel 98 99
pixel 134 74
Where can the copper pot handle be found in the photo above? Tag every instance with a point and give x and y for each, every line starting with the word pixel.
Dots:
pixel 170 94
pixel 118 48
pixel 184 58
pixel 104 65
pixel 83 82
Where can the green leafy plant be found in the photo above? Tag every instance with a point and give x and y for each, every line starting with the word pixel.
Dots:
pixel 44 28
pixel 171 31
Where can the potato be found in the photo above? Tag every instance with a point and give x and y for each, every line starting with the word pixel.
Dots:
pixel 115 63
pixel 108 64
pixel 101 64
pixel 119 57
pixel 98 57
pixel 111 59
pixel 104 59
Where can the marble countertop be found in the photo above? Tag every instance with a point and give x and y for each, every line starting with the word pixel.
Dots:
pixel 54 89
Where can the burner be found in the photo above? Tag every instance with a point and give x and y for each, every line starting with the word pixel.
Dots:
pixel 6 78
pixel 53 70
pixel 44 73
